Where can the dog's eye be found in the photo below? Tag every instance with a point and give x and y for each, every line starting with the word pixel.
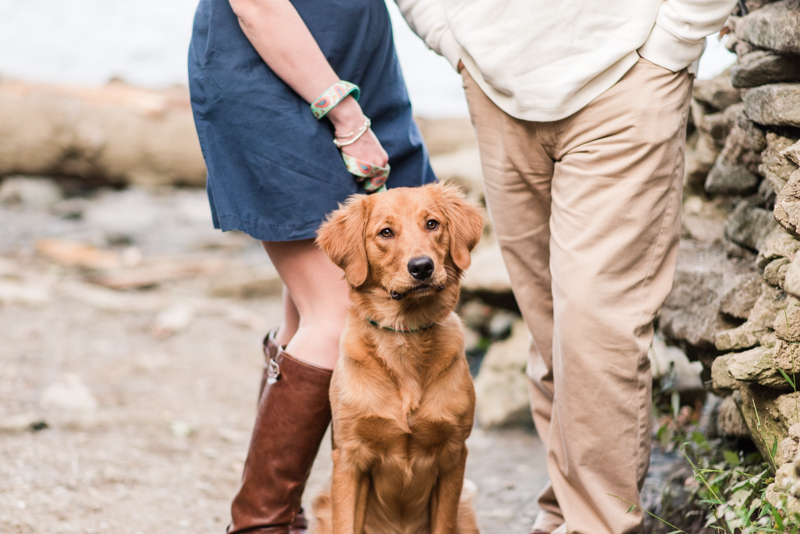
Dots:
pixel 433 225
pixel 387 232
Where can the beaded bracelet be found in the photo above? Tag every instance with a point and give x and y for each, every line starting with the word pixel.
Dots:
pixel 332 96
pixel 373 176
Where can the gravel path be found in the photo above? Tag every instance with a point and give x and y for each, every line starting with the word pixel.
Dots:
pixel 163 451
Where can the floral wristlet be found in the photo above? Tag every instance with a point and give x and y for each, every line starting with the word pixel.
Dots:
pixel 373 176
pixel 332 96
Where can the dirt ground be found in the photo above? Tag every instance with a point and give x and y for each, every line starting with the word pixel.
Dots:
pixel 147 393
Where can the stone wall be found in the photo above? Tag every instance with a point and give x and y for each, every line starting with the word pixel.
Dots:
pixel 735 306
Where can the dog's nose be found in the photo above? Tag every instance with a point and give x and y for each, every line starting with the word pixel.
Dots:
pixel 420 268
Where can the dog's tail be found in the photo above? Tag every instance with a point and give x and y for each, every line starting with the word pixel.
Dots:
pixel 467 523
pixel 322 510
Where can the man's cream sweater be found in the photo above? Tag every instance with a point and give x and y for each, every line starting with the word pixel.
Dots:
pixel 543 60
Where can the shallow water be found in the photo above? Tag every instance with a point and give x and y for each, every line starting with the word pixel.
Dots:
pixel 144 42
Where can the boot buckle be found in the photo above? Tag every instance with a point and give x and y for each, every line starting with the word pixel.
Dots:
pixel 273 371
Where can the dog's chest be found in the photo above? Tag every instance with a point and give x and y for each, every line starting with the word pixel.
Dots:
pixel 404 432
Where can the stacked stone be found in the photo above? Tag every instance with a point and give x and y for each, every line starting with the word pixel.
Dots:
pixel 760 163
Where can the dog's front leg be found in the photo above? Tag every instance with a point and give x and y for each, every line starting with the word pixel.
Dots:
pixel 447 495
pixel 349 490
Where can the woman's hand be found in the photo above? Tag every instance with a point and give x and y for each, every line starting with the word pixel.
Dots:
pixel 348 118
pixel 282 39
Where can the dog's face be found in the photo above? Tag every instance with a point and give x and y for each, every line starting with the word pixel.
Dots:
pixel 409 242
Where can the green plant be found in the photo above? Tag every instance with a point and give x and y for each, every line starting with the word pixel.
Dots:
pixel 728 486
pixel 732 488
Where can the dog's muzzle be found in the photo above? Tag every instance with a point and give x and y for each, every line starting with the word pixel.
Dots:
pixel 399 296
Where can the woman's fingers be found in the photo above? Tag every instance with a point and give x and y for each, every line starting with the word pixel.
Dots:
pixel 368 149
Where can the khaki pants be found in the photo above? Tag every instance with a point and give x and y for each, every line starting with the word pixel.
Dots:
pixel 587 213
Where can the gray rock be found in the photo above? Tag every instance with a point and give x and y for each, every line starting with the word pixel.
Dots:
pixel 775 26
pixel 778 244
pixel 791 282
pixel 756 365
pixel 758 324
pixel 787 450
pixel 755 134
pixel 762 67
pixel 769 303
pixel 721 379
pixel 21 423
pixel 787 205
pixel 501 387
pixel 730 422
pixel 701 154
pixel 501 324
pixel 476 315
pixel 787 322
pixel 786 356
pixel 792 153
pixel 703 277
pixel 716 124
pixel 775 272
pixel 716 92
pixel 488 271
pixel 671 365
pixel 727 179
pixel 69 394
pixel 739 338
pixel 784 493
pixel 703 220
pixel 463 168
pixel 749 225
pixel 752 5
pixel 172 319
pixel 768 414
pixel 734 171
pixel 775 104
pixel 775 166
pixel 30 192
pixel 739 300
pixel 767 194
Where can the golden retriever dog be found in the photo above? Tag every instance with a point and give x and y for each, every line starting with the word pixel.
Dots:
pixel 401 394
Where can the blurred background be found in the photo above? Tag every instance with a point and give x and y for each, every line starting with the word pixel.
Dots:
pixel 144 43
pixel 131 330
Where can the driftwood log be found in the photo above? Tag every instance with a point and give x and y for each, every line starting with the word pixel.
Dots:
pixel 116 134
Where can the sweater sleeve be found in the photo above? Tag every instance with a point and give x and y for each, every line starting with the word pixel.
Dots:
pixel 427 18
pixel 680 30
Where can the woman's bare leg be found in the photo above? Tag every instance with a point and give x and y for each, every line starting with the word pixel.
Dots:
pixel 320 295
pixel 291 320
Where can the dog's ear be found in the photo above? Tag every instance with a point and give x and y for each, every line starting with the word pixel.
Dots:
pixel 464 223
pixel 341 237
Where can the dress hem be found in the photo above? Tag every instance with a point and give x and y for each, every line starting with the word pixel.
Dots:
pixel 268 232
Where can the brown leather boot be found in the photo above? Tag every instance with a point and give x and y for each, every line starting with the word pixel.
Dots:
pixel 293 415
pixel 271 348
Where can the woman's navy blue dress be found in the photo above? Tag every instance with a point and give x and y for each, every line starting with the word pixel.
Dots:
pixel 273 170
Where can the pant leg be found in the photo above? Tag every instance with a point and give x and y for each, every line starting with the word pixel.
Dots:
pixel 615 229
pixel 518 169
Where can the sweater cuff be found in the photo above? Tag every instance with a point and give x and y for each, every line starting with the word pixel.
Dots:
pixel 450 49
pixel 666 50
